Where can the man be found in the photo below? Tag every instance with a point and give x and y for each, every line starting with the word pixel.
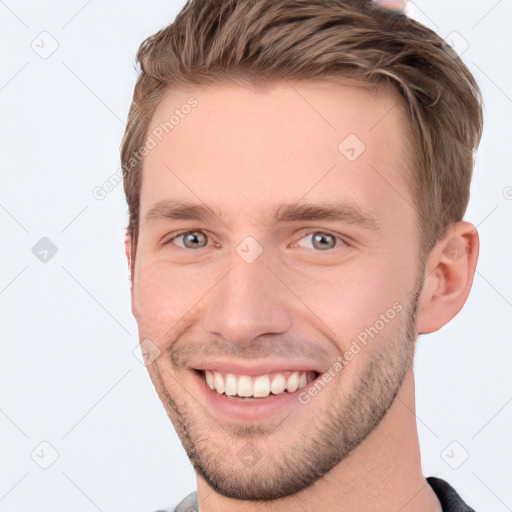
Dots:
pixel 296 175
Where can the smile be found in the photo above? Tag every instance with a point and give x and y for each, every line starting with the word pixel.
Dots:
pixel 257 386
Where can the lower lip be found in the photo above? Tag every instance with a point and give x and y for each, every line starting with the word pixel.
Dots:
pixel 247 410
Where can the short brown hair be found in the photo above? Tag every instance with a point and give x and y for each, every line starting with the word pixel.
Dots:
pixel 265 41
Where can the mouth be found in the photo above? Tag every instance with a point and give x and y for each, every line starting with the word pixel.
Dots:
pixel 249 388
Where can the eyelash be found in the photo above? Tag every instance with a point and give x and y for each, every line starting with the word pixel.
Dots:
pixel 342 241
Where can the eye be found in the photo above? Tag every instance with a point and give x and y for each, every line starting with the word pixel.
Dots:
pixel 321 240
pixel 191 240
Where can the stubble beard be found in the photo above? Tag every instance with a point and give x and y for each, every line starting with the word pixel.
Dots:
pixel 332 432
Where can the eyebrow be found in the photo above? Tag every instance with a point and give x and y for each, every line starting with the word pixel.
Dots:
pixel 343 211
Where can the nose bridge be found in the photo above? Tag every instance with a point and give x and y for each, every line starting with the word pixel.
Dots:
pixel 247 302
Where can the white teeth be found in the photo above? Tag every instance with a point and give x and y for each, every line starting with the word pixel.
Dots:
pixel 278 384
pixel 244 386
pixel 257 386
pixel 261 386
pixel 293 382
pixel 218 382
pixel 231 384
pixel 209 380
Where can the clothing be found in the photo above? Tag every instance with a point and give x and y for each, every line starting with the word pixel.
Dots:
pixel 448 497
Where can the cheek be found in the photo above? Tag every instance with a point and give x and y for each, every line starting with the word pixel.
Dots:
pixel 364 299
pixel 163 296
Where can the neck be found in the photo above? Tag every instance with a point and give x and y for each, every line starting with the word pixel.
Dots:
pixel 382 473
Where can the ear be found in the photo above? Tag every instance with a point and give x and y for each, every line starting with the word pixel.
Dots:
pixel 128 251
pixel 449 273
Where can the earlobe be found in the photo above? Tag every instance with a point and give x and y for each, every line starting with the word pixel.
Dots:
pixel 449 274
pixel 128 254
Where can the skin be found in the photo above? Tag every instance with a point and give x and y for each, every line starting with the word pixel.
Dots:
pixel 242 151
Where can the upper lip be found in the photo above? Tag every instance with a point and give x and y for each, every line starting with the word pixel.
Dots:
pixel 254 367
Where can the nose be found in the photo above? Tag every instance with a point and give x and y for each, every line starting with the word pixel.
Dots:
pixel 249 301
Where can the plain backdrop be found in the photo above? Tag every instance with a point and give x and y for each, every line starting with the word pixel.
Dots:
pixel 74 398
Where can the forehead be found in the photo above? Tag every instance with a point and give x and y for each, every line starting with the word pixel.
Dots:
pixel 245 149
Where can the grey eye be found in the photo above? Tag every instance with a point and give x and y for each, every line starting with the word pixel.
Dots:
pixel 193 240
pixel 321 241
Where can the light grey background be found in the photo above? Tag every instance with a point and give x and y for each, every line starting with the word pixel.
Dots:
pixel 68 374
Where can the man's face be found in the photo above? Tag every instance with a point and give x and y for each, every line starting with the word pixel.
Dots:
pixel 242 292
